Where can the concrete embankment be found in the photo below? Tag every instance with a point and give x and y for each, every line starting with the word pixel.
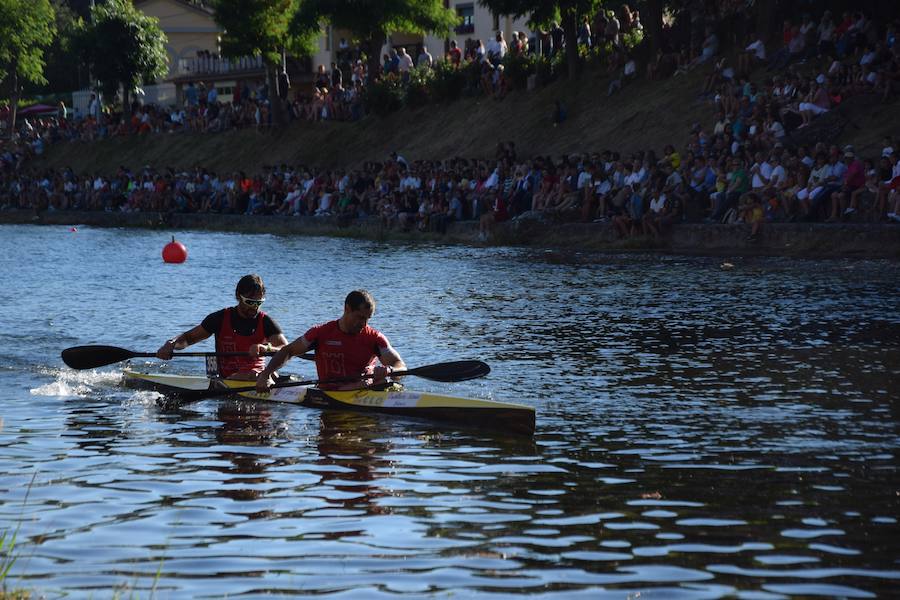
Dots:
pixel 782 239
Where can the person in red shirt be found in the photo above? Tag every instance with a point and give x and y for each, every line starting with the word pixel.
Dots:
pixel 346 347
pixel 242 328
pixel 455 54
pixel 854 178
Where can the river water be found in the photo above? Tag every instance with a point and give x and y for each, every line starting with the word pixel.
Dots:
pixel 703 430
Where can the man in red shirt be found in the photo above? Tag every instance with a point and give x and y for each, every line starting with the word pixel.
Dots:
pixel 346 347
pixel 242 328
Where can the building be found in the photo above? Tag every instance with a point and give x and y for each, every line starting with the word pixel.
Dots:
pixel 192 45
pixel 478 23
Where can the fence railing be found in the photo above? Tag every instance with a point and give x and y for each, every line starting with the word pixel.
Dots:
pixel 210 65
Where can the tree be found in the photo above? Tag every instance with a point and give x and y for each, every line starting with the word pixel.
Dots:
pixel 262 28
pixel 371 21
pixel 64 68
pixel 26 28
pixel 542 12
pixel 124 47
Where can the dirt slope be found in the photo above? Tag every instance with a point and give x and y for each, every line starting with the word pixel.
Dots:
pixel 643 115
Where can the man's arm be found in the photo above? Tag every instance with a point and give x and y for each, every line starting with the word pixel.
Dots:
pixel 391 358
pixel 188 338
pixel 295 348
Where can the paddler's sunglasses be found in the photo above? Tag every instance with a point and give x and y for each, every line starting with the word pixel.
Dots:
pixel 254 302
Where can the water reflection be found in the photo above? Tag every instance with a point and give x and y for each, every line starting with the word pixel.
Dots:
pixel 702 433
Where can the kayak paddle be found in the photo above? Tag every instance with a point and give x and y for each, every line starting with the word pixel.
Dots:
pixel 448 372
pixel 91 357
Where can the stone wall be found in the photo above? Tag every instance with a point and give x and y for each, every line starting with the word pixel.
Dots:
pixel 782 239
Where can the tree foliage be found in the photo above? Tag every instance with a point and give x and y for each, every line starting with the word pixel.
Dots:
pixel 367 17
pixel 124 47
pixel 27 27
pixel 541 13
pixel 262 28
pixel 64 70
pixel 371 21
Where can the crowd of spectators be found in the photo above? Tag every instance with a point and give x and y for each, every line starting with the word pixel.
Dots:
pixel 741 167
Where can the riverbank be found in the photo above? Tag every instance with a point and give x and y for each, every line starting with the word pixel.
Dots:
pixel 809 240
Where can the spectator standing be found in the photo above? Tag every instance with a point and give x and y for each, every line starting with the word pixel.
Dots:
pixel 558 36
pixel 404 63
pixel 497 48
pixel 455 54
pixel 94 108
pixel 425 59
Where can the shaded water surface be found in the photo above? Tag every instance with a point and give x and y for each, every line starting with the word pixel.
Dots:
pixel 703 432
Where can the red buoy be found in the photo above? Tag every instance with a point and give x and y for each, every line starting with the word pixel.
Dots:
pixel 174 252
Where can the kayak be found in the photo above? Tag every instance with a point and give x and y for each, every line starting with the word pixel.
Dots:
pixel 470 412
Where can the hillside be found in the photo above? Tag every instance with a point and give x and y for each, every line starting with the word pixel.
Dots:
pixel 643 115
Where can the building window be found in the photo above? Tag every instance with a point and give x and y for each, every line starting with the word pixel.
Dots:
pixel 466 13
pixel 496 22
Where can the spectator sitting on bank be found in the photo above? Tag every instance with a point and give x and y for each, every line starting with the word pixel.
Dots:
pixel 854 178
pixel 662 66
pixel 753 55
pixel 629 71
pixel 559 113
pixel 817 102
pixel 792 51
pixel 751 211
pixel 722 74
pixel 708 50
pixel 660 214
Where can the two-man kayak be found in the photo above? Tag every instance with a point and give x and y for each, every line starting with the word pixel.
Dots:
pixel 507 417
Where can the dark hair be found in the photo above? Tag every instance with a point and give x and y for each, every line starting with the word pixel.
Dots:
pixel 358 299
pixel 250 284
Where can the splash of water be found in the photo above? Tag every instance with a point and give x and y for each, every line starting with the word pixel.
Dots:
pixel 67 382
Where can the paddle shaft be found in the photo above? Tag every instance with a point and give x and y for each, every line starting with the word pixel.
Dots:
pixel 91 357
pixel 447 372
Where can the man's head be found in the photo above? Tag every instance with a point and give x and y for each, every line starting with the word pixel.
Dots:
pixel 250 294
pixel 359 306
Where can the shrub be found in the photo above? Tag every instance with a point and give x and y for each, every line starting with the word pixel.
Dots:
pixel 384 96
pixel 419 88
pixel 519 67
pixel 633 38
pixel 448 81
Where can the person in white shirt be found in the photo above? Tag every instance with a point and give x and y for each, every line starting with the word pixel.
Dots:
pixel 425 59
pixel 762 172
pixel 778 176
pixel 405 64
pixel 497 48
pixel 754 54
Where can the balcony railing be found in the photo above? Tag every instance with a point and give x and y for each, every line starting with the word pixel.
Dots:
pixel 210 65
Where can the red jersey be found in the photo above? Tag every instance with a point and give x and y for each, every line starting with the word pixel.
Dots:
pixel 340 354
pixel 229 340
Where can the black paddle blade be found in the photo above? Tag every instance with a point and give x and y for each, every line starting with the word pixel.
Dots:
pixel 449 372
pixel 91 357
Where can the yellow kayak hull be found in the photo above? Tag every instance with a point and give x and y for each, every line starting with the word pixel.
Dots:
pixel 503 416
